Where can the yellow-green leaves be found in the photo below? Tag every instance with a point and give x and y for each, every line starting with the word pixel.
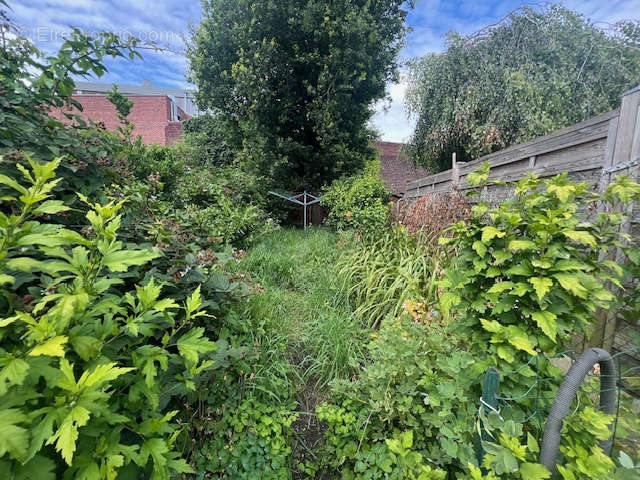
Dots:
pixel 580 236
pixel 563 192
pixel 52 347
pixel 541 285
pixel 547 322
pixel 519 245
pixel 571 283
pixel 517 337
pixel 192 343
pixel 534 471
pixel 489 233
pixel 67 434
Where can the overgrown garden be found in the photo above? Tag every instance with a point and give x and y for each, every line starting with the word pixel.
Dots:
pixel 158 319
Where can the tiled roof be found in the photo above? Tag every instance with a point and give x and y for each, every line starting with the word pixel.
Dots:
pixel 396 169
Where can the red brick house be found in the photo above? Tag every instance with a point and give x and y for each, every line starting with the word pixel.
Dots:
pixel 396 169
pixel 157 112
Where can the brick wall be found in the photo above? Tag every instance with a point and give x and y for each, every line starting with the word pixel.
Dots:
pixel 396 169
pixel 150 114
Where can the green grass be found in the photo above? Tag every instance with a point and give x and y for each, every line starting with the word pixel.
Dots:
pixel 306 331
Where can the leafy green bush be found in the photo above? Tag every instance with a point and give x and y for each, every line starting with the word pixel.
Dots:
pixel 380 274
pixel 359 201
pixel 210 140
pixel 416 380
pixel 529 275
pixel 88 371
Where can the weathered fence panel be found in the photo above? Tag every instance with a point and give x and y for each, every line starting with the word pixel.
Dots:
pixel 593 151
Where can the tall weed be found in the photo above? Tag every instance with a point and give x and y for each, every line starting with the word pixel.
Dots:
pixel 380 274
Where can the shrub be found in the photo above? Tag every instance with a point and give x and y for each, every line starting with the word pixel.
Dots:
pixel 380 274
pixel 360 201
pixel 210 140
pixel 431 214
pixel 529 275
pixel 88 371
pixel 416 380
pixel 156 161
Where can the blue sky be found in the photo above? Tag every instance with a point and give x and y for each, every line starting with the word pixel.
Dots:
pixel 167 22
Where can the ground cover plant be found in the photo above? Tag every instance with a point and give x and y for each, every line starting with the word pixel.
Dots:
pixel 302 337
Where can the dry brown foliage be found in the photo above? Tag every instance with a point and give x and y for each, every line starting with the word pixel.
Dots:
pixel 431 214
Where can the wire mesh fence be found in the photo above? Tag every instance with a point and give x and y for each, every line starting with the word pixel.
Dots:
pixel 537 399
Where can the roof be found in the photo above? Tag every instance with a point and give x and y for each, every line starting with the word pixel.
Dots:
pixel 395 167
pixel 140 90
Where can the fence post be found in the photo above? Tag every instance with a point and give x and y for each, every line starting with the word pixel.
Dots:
pixel 621 157
pixel 455 173
pixel 488 404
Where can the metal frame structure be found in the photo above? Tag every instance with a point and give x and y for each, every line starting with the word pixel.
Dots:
pixel 296 199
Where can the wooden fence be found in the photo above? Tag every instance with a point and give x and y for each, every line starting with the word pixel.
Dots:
pixel 594 151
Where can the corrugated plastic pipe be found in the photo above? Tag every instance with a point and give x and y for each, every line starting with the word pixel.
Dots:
pixel 566 394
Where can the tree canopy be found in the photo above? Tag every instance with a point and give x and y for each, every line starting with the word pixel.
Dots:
pixel 297 80
pixel 532 73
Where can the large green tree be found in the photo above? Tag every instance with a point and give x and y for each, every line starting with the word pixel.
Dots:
pixel 297 80
pixel 532 73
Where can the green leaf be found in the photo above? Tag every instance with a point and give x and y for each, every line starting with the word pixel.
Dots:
pixel 10 182
pixel 14 439
pixel 547 323
pixel 489 233
pixel 86 347
pixel 448 300
pixel 24 264
pixel 156 448
pixel 505 352
pixel 193 302
pixel 52 347
pixel 14 372
pixel 563 192
pixel 534 471
pixel 491 325
pixel 541 285
pixel 67 435
pixel 572 284
pixel 38 468
pixel 6 279
pixel 501 287
pixel 121 260
pixel 480 248
pixel 519 339
pixel 532 443
pixel 51 207
pixel 521 245
pixel 192 344
pixel 583 237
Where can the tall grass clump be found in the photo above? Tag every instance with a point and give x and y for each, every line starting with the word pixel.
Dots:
pixel 379 275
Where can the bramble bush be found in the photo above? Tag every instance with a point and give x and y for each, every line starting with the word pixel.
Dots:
pixel 360 201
